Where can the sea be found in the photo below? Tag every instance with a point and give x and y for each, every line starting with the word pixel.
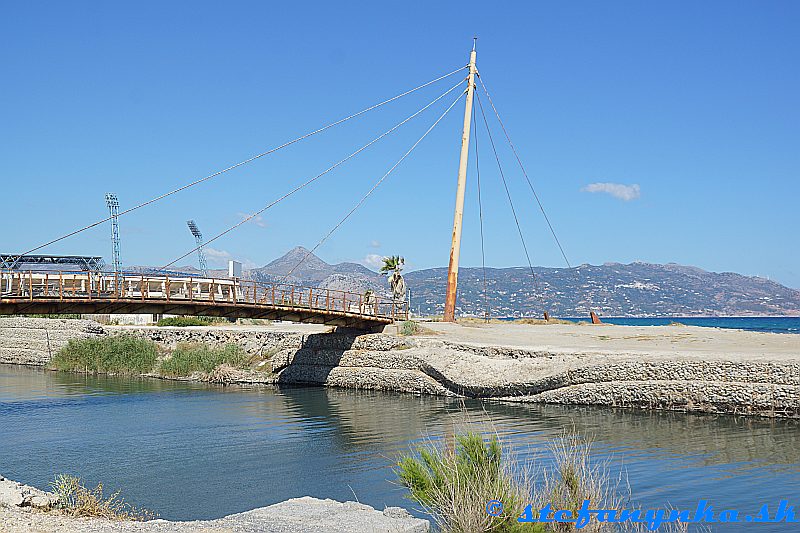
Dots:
pixel 781 324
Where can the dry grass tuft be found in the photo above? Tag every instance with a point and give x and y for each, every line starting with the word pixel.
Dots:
pixel 525 321
pixel 74 499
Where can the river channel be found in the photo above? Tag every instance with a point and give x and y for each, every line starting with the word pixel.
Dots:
pixel 193 451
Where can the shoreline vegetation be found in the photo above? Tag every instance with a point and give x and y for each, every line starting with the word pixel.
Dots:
pixel 456 478
pixel 73 498
pixel 127 355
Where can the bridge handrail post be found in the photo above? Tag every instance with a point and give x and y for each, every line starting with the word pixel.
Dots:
pixel 327 299
pixel 30 284
pixel 291 296
pixel 166 286
pixel 344 302
pixel 310 297
pixel 60 286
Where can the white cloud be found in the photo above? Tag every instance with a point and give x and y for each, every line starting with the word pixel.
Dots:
pixel 258 220
pixel 216 257
pixel 372 261
pixel 247 264
pixel 375 244
pixel 617 190
pixel 220 258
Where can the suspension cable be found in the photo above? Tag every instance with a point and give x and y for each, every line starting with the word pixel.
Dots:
pixel 480 217
pixel 241 163
pixel 524 172
pixel 375 186
pixel 505 185
pixel 315 178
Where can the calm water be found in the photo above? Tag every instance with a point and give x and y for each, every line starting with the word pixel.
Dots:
pixel 197 451
pixel 782 324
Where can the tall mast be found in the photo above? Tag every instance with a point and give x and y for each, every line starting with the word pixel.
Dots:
pixel 113 209
pixel 455 249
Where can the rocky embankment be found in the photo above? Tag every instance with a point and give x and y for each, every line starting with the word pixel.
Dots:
pixel 24 509
pixel 683 369
pixel 34 341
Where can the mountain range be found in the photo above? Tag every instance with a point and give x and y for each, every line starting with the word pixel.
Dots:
pixel 611 289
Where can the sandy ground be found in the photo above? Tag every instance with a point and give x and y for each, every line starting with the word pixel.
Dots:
pixel 690 342
pixel 675 342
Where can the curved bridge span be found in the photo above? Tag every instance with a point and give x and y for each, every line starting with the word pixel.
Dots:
pixel 53 292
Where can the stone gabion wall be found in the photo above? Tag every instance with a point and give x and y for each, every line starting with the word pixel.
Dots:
pixel 33 341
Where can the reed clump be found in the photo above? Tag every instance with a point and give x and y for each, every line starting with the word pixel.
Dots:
pixel 75 499
pixel 188 358
pixel 114 354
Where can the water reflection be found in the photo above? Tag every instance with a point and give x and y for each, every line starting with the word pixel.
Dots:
pixel 193 450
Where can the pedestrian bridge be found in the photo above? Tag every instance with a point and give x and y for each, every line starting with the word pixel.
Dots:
pixel 54 292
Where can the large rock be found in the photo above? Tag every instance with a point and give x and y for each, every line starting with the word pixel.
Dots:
pixel 312 514
pixel 298 515
pixel 14 494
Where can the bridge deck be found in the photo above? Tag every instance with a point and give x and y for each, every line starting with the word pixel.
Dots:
pixel 51 292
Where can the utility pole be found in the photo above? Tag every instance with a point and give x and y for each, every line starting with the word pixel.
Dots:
pixel 113 210
pixel 455 249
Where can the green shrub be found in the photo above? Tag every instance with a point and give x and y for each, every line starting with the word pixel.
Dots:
pixel 409 327
pixel 455 483
pixel 188 358
pixel 116 354
pixel 183 321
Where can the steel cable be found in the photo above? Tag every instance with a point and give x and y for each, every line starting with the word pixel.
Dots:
pixel 315 178
pixel 524 172
pixel 505 185
pixel 246 161
pixel 480 218
pixel 375 186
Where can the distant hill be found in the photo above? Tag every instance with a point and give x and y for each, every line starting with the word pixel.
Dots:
pixel 612 289
pixel 317 273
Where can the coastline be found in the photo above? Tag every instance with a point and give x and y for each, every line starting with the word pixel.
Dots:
pixel 677 368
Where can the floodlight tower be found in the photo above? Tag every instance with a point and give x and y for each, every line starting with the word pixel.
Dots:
pixel 198 238
pixel 113 210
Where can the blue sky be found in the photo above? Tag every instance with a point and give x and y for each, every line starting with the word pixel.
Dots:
pixel 683 118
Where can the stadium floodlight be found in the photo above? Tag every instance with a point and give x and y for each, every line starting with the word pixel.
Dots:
pixel 198 238
pixel 113 210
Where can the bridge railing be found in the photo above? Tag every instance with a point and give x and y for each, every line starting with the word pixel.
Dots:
pixel 88 286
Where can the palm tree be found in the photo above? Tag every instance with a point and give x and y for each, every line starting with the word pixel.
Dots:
pixel 392 266
pixel 393 263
